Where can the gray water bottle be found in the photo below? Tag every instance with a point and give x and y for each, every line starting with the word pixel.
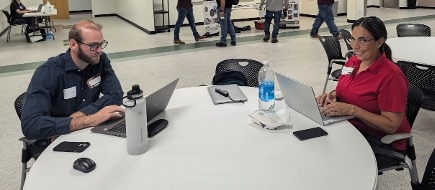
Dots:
pixel 136 121
pixel 266 88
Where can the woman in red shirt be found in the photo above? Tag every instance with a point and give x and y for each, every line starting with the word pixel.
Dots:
pixel 372 88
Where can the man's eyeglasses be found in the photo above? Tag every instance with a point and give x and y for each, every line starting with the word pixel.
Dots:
pixel 360 40
pixel 95 46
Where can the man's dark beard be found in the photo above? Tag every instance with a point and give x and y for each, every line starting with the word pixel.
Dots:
pixel 85 58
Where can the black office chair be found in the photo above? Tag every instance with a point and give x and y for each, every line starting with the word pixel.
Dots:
pixel 31 148
pixel 415 97
pixel 11 24
pixel 422 76
pixel 346 37
pixel 248 67
pixel 428 181
pixel 415 30
pixel 333 51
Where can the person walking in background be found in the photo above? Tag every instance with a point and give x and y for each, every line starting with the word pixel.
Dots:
pixel 224 8
pixel 185 9
pixel 325 15
pixel 273 10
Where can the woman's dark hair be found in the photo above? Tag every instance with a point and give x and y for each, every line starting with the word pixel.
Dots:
pixel 377 29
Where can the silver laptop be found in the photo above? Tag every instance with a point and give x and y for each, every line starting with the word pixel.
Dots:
pixel 235 94
pixel 39 8
pixel 156 103
pixel 301 98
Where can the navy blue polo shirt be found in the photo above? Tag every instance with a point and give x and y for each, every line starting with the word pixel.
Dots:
pixel 58 89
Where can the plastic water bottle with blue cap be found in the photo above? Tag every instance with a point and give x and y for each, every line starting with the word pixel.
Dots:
pixel 266 88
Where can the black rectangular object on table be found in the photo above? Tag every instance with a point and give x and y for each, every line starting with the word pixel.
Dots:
pixel 310 133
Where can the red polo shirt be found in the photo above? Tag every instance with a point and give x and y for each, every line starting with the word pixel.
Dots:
pixel 381 87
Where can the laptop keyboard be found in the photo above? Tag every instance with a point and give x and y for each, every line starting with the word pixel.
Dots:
pixel 324 117
pixel 119 128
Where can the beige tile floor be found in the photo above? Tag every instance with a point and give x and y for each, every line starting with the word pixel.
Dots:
pixel 152 60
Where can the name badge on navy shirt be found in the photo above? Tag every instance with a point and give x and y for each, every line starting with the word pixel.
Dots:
pixel 346 70
pixel 94 81
pixel 69 93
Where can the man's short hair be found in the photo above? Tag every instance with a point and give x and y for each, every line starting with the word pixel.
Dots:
pixel 76 31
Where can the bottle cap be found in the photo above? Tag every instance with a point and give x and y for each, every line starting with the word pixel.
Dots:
pixel 135 92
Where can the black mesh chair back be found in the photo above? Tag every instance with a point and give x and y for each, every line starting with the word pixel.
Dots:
pixel 428 181
pixel 9 28
pixel 346 37
pixel 31 148
pixel 248 67
pixel 415 30
pixel 415 98
pixel 19 102
pixel 422 76
pixel 332 47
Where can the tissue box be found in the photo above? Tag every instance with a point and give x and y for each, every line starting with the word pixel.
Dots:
pixel 259 24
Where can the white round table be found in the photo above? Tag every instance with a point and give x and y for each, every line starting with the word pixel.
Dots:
pixel 207 146
pixel 413 49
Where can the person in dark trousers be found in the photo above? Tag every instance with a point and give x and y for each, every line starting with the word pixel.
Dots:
pixel 74 90
pixel 224 7
pixel 325 15
pixel 185 10
pixel 273 10
pixel 17 11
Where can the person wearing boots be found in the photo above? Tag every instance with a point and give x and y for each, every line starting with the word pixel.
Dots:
pixel 185 10
pixel 325 15
pixel 273 10
pixel 224 8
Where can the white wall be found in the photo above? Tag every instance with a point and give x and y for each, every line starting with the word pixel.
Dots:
pixel 31 2
pixel 139 12
pixel 373 2
pixel 100 7
pixel 79 5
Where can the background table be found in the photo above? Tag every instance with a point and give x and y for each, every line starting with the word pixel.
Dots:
pixel 413 49
pixel 209 146
pixel 48 24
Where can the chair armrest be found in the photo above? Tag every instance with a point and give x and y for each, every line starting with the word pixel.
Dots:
pixel 24 139
pixel 338 61
pixel 389 154
pixel 388 139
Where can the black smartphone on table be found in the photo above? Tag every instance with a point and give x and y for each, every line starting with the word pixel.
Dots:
pixel 66 146
pixel 310 133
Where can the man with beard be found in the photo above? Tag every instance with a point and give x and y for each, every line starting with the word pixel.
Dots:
pixel 64 92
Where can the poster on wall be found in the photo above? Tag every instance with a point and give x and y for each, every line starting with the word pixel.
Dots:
pixel 292 15
pixel 211 23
